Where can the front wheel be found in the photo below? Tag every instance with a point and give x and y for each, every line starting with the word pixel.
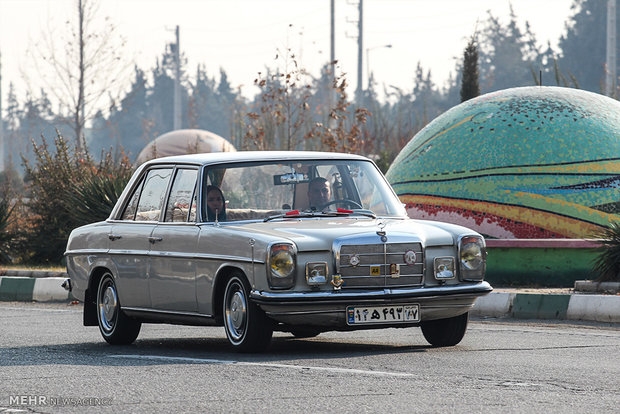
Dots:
pixel 115 327
pixel 247 327
pixel 445 332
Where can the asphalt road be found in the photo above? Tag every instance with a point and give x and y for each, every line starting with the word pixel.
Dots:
pixel 50 363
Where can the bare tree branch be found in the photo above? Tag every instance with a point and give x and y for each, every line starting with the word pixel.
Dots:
pixel 80 66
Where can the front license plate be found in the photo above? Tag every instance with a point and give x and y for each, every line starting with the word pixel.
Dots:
pixel 365 315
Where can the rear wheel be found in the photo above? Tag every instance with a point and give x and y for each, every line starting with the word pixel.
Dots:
pixel 115 327
pixel 445 332
pixel 247 327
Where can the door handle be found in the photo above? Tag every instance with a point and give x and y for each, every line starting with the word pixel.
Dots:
pixel 114 237
pixel 153 239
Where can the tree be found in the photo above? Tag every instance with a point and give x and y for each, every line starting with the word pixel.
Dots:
pixel 126 125
pixel 344 131
pixel 427 100
pixel 469 86
pixel 211 104
pixel 80 66
pixel 280 118
pixel 583 47
pixel 6 218
pixel 11 125
pixel 160 97
pixel 507 54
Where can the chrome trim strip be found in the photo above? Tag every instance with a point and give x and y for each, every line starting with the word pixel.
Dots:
pixel 119 221
pixel 159 311
pixel 176 255
pixel 180 255
pixel 478 289
pixel 118 252
pixel 86 251
pixel 386 276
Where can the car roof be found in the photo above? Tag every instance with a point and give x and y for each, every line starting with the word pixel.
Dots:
pixel 245 156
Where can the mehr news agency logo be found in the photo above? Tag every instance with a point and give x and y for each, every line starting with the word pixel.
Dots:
pixel 44 400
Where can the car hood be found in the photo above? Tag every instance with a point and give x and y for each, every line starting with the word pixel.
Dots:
pixel 320 233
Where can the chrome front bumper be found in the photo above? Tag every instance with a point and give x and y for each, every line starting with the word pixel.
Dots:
pixel 327 310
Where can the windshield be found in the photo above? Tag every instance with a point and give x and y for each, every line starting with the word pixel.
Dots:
pixel 261 190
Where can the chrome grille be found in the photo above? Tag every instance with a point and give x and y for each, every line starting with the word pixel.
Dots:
pixel 373 269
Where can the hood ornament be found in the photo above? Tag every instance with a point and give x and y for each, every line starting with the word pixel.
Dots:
pixel 381 231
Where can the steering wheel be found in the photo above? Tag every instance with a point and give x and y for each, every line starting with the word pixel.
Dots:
pixel 343 201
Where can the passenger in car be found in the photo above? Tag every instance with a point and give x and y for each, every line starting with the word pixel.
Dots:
pixel 319 193
pixel 216 206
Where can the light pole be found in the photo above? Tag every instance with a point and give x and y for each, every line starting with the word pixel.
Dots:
pixel 368 49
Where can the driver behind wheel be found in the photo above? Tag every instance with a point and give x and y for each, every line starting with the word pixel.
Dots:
pixel 319 193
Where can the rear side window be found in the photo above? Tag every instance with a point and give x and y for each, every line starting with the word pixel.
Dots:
pixel 132 206
pixel 181 206
pixel 152 194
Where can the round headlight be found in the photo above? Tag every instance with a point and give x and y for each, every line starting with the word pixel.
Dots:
pixel 281 262
pixel 471 255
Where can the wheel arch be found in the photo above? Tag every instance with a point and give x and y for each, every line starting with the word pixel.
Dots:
pixel 90 296
pixel 221 278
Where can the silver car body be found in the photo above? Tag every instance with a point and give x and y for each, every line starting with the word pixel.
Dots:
pixel 343 260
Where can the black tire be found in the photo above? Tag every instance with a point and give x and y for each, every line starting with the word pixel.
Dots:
pixel 115 327
pixel 445 332
pixel 247 327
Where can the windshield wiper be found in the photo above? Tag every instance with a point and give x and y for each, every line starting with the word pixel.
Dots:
pixel 366 213
pixel 290 214
pixel 338 213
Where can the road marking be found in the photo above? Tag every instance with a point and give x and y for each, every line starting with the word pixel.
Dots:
pixel 264 364
pixel 44 309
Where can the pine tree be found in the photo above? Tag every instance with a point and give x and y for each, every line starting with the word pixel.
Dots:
pixel 507 54
pixel 583 46
pixel 469 85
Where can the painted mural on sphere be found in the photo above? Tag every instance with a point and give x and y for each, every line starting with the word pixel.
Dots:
pixel 533 162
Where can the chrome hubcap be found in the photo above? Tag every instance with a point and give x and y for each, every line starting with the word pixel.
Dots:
pixel 236 313
pixel 108 305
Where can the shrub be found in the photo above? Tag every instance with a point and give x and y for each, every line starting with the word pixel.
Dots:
pixel 68 188
pixel 94 197
pixel 607 264
pixel 6 235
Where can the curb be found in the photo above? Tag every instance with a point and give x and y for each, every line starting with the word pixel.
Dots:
pixel 27 289
pixel 31 273
pixel 577 307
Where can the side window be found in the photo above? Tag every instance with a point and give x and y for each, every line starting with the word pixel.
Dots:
pixel 132 206
pixel 153 193
pixel 181 204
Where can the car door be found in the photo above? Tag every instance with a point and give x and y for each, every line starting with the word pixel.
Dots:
pixel 172 267
pixel 130 237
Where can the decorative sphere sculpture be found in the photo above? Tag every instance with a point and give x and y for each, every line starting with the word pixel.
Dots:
pixel 533 162
pixel 184 141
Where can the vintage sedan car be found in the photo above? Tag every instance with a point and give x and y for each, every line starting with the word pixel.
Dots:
pixel 299 242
